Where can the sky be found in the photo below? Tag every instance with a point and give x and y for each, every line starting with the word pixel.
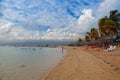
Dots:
pixel 22 20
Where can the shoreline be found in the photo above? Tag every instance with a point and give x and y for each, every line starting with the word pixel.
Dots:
pixel 70 64
pixel 63 49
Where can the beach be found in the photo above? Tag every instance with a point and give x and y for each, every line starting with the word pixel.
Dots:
pixel 82 64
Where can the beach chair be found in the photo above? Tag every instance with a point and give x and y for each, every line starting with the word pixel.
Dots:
pixel 114 47
pixel 109 49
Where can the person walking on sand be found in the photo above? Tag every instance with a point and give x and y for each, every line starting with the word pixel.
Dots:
pixel 62 49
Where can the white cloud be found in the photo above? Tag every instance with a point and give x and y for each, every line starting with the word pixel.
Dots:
pixel 86 20
pixel 22 34
pixel 29 14
pixel 59 34
pixel 22 17
pixel 106 6
pixel 6 27
pixel 10 32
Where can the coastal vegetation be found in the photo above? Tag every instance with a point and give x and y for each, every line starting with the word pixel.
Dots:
pixel 110 25
pixel 107 26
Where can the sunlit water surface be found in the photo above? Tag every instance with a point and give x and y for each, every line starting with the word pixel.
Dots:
pixel 28 63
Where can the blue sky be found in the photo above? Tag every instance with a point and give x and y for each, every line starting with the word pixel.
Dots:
pixel 51 19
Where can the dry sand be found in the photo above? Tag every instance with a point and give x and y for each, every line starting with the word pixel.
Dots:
pixel 78 64
pixel 111 58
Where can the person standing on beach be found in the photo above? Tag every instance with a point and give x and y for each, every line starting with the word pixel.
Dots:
pixel 62 49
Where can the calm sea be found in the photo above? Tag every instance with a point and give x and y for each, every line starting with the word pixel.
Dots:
pixel 28 63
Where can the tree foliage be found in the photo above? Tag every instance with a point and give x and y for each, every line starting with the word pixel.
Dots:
pixel 94 33
pixel 110 25
pixel 87 38
pixel 80 40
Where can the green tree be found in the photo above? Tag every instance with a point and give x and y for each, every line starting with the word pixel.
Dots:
pixel 115 18
pixel 102 27
pixel 110 25
pixel 94 33
pixel 87 38
pixel 80 40
pixel 88 33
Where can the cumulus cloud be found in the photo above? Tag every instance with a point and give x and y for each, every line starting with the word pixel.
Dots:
pixel 59 34
pixel 86 20
pixel 61 19
pixel 27 16
pixel 9 32
pixel 6 27
pixel 12 32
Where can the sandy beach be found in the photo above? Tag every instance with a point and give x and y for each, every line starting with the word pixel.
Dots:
pixel 81 64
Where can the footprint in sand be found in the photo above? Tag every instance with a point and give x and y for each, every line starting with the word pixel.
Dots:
pixel 115 68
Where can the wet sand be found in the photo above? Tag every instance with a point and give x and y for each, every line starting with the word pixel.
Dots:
pixel 80 64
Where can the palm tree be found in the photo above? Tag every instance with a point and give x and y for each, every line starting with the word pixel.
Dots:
pixel 79 40
pixel 110 25
pixel 94 33
pixel 115 18
pixel 101 24
pixel 88 33
pixel 87 38
pixel 107 27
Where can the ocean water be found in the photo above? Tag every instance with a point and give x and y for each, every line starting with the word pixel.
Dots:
pixel 28 63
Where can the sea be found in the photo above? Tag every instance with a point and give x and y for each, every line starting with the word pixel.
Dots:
pixel 28 63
